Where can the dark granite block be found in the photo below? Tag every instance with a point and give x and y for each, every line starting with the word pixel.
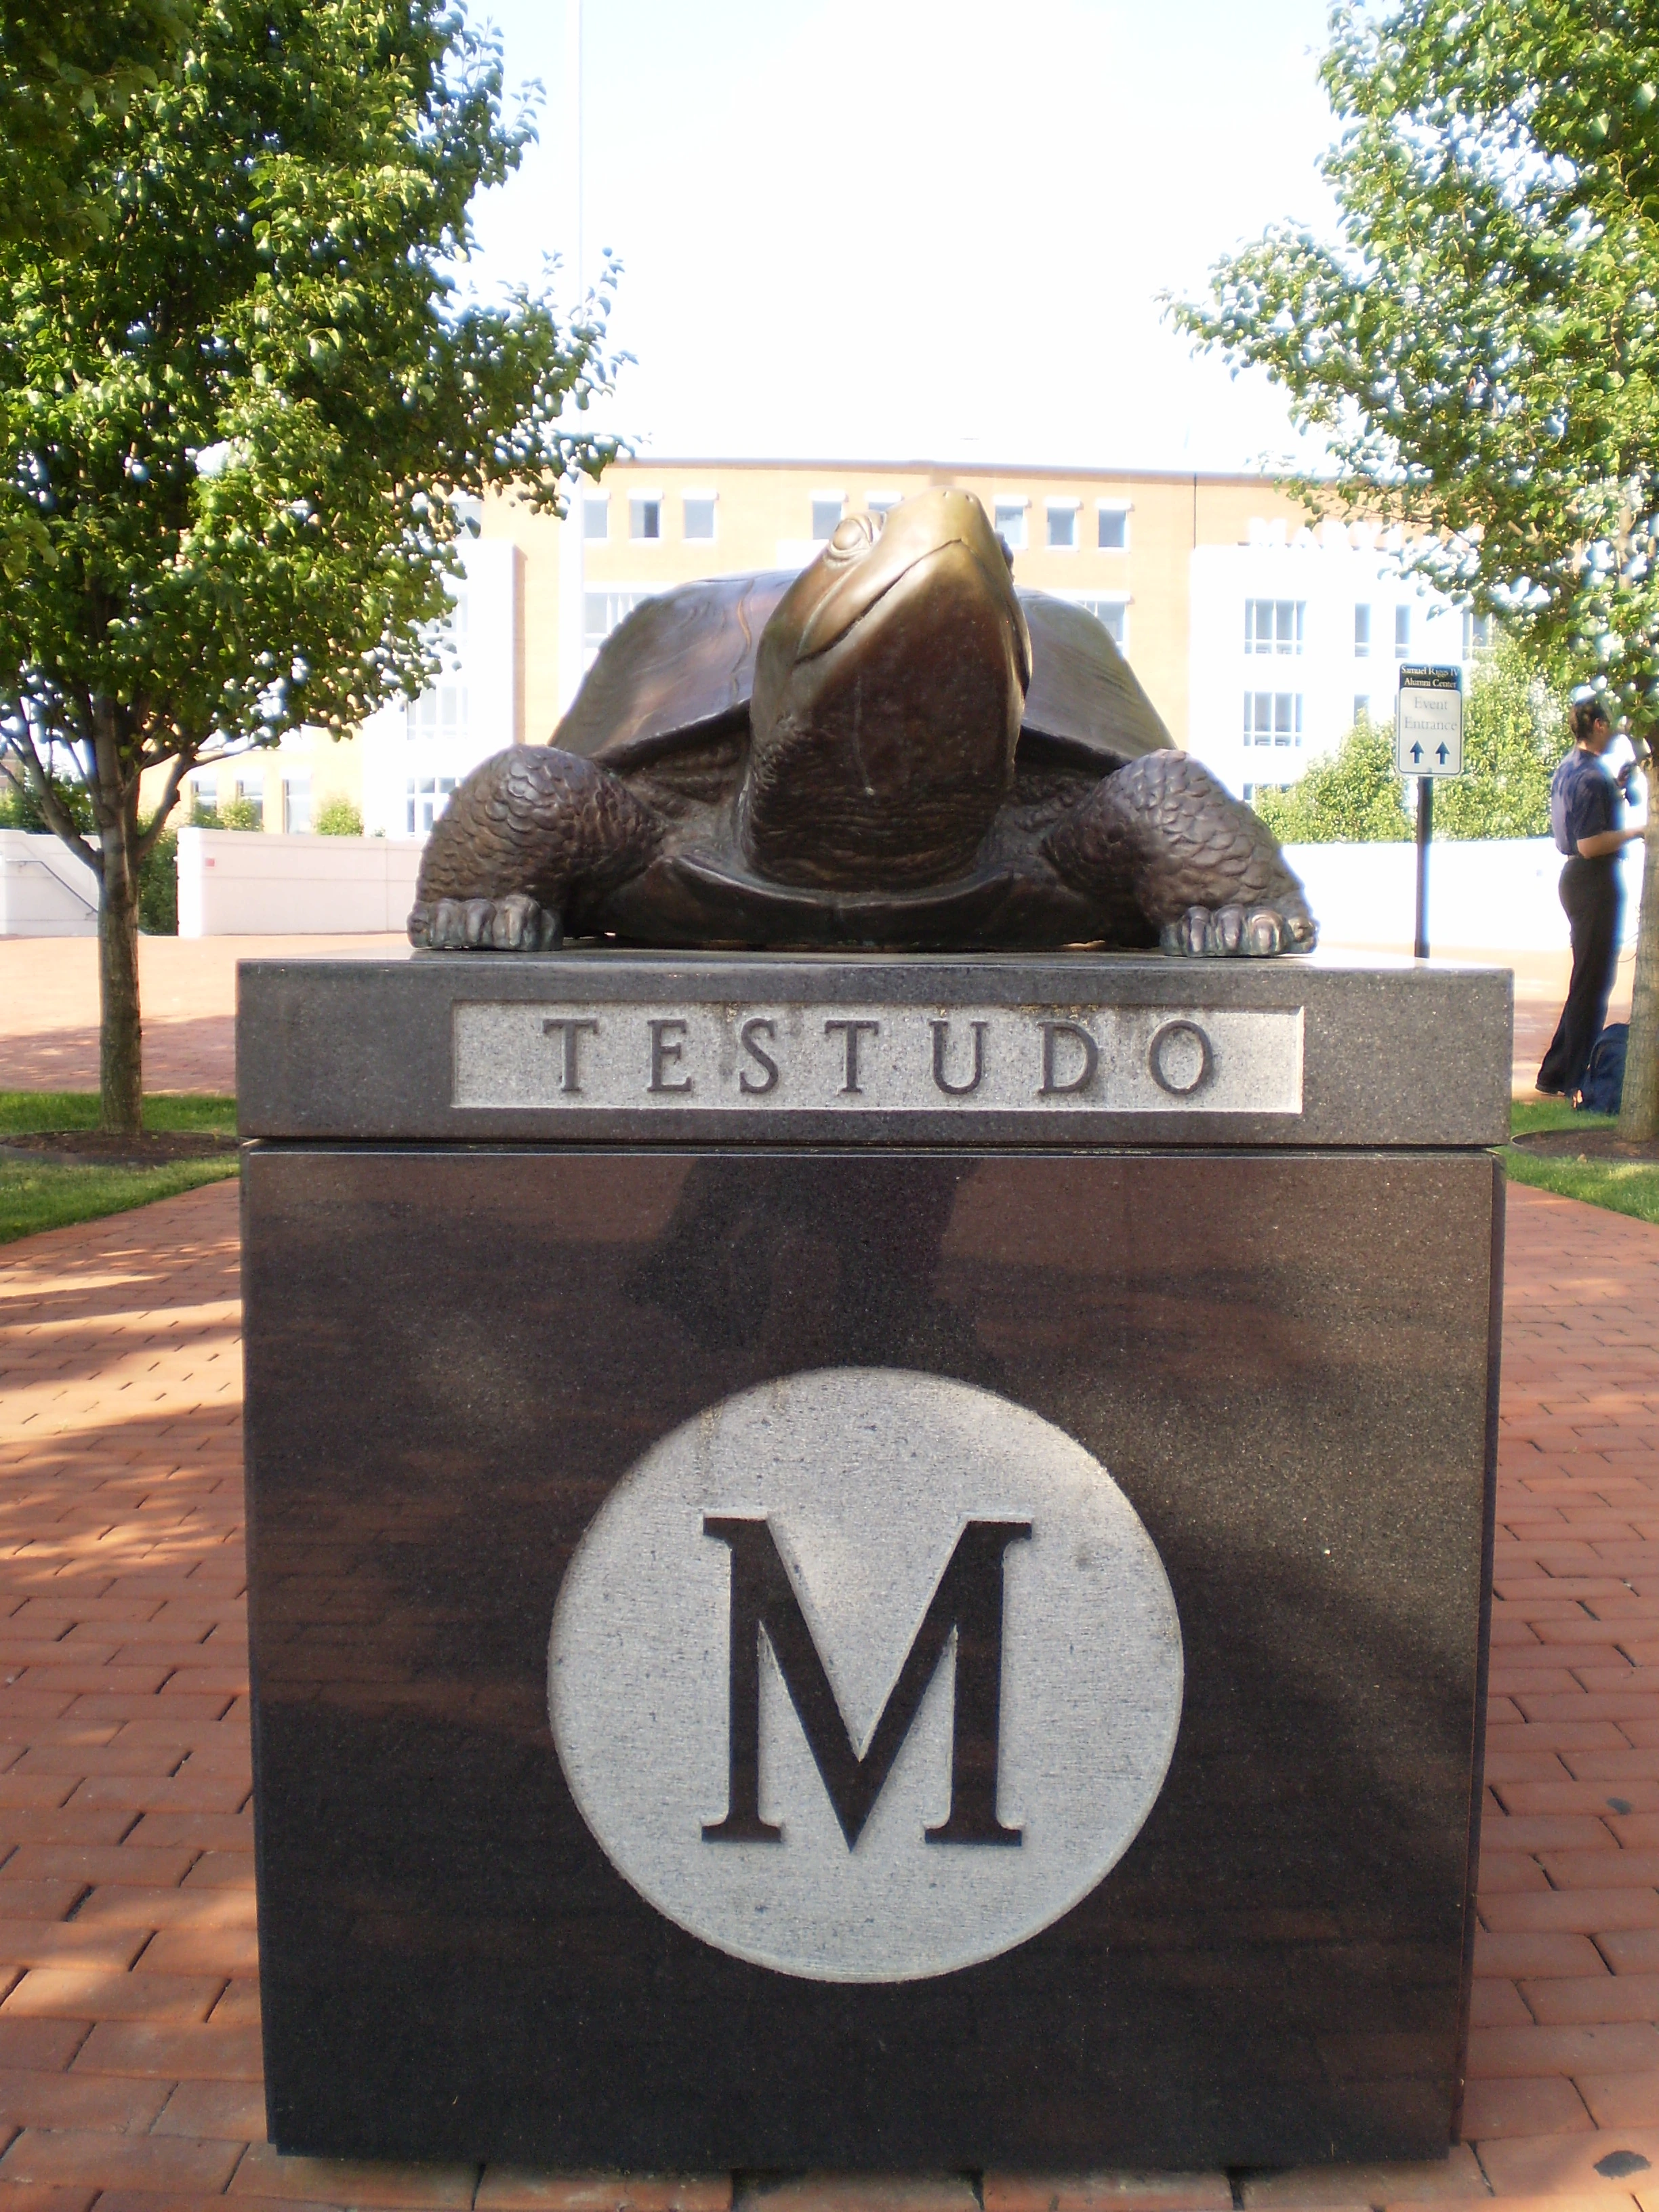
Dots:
pixel 1284 1360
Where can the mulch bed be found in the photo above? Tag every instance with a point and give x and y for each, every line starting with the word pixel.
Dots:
pixel 1585 1144
pixel 90 1148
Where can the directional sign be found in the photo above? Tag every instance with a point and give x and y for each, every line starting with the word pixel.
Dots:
pixel 1428 723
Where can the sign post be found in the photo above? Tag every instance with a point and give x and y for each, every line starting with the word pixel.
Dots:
pixel 1428 742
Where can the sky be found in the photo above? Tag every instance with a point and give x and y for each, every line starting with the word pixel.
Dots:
pixel 892 229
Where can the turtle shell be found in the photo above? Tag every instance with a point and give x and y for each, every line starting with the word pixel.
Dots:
pixel 680 668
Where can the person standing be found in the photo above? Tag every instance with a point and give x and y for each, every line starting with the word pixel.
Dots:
pixel 1586 805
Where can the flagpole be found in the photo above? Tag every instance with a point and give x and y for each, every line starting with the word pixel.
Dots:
pixel 571 560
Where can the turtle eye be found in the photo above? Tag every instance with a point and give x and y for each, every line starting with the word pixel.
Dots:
pixel 852 534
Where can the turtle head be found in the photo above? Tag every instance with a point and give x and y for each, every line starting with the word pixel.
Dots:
pixel 889 687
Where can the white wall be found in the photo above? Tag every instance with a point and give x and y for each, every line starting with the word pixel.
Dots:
pixel 44 891
pixel 1499 893
pixel 247 884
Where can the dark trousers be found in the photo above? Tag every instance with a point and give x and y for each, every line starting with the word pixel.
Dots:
pixel 1594 898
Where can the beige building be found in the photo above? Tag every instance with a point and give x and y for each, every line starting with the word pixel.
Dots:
pixel 1259 638
pixel 1121 543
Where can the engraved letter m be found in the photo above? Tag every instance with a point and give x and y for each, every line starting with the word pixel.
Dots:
pixel 968 1598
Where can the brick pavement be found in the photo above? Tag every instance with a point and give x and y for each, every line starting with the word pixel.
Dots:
pixel 49 1005
pixel 129 2050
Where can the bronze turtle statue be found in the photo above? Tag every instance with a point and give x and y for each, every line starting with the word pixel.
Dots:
pixel 894 749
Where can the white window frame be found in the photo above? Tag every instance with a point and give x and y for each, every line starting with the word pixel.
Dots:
pixel 1051 508
pixel 823 498
pixel 420 792
pixel 1105 506
pixel 700 494
pixel 596 502
pixel 1402 630
pixel 1272 739
pixel 1093 601
pixel 1362 646
pixel 999 507
pixel 637 498
pixel 592 639
pixel 1294 648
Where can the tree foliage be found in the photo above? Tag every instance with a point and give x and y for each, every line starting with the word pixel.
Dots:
pixel 60 64
pixel 1351 796
pixel 1480 346
pixel 244 424
pixel 1479 350
pixel 1515 732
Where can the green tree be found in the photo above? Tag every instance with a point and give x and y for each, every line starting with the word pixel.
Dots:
pixel 1480 346
pixel 58 64
pixel 249 415
pixel 1350 796
pixel 1515 732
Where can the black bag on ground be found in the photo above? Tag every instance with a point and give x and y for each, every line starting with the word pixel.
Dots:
pixel 1604 1073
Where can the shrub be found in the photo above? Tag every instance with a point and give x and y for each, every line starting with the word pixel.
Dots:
pixel 158 888
pixel 1351 796
pixel 338 817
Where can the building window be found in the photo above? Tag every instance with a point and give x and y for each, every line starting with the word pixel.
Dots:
pixel 596 517
pixel 1362 706
pixel 1010 516
pixel 603 610
pixel 826 513
pixel 880 504
pixel 439 713
pixel 253 796
pixel 1112 529
pixel 425 797
pixel 1272 717
pixel 1403 632
pixel 1477 635
pixel 296 804
pixel 1062 526
pixel 645 518
pixel 1112 615
pixel 1274 625
pixel 1362 633
pixel 699 518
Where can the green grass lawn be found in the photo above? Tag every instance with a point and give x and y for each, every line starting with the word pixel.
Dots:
pixel 23 1111
pixel 1621 1186
pixel 48 1194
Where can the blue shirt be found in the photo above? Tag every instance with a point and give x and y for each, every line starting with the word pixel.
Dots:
pixel 1584 801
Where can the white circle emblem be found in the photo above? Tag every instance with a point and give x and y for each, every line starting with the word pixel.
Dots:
pixel 836 1612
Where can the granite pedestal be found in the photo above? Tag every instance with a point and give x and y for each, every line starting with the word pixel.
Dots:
pixel 868 1563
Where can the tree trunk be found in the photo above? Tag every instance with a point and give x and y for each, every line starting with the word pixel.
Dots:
pixel 1638 1111
pixel 120 1036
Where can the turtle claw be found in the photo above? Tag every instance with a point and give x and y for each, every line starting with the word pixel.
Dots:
pixel 1223 932
pixel 517 924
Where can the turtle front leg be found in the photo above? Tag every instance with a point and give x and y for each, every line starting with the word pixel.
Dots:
pixel 530 830
pixel 1203 866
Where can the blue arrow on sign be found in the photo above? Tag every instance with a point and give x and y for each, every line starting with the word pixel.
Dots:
pixel 1417 752
pixel 1440 755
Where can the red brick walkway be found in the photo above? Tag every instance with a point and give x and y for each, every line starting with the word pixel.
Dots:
pixel 129 2048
